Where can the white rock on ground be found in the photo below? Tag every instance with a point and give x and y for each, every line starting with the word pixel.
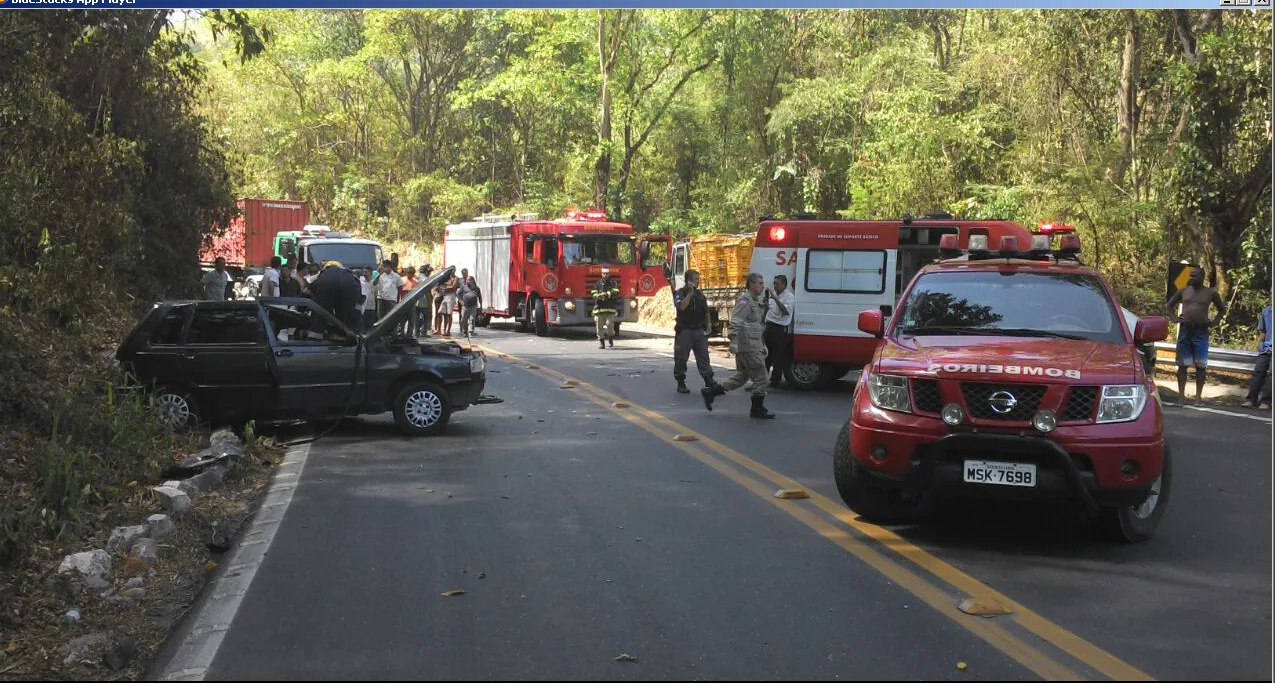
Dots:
pixel 92 567
pixel 145 550
pixel 176 501
pixel 159 527
pixel 122 538
pixel 86 648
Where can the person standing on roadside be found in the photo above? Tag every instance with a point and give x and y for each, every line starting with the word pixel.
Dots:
pixel 386 285
pixel 446 306
pixel 471 299
pixel 1193 328
pixel 288 285
pixel 424 305
pixel 272 280
pixel 369 303
pixel 1259 388
pixel 691 332
pixel 746 325
pixel 409 283
pixel 215 281
pixel 778 329
pixel 606 300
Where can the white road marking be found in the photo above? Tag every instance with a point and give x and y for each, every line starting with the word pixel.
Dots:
pixel 1206 409
pixel 209 625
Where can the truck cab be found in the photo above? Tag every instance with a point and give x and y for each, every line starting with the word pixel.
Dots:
pixel 319 243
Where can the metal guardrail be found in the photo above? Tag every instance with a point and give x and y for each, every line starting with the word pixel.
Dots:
pixel 1220 359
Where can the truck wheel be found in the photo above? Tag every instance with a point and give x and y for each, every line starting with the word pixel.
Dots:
pixel 538 318
pixel 422 409
pixel 484 320
pixel 1137 523
pixel 873 502
pixel 808 376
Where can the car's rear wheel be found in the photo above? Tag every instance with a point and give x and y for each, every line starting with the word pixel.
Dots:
pixel 875 503
pixel 176 409
pixel 422 409
pixel 1137 523
pixel 808 375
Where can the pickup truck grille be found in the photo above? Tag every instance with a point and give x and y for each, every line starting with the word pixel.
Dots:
pixel 925 392
pixel 1080 404
pixel 979 400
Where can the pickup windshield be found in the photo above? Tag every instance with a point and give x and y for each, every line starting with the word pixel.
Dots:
pixel 1012 304
pixel 602 251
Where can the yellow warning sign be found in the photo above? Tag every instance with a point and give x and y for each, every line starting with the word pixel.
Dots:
pixel 1177 277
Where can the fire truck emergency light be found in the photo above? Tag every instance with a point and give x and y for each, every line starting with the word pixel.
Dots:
pixel 948 243
pixel 1009 245
pixel 777 233
pixel 978 242
pixel 1040 242
pixel 1051 228
pixel 1069 242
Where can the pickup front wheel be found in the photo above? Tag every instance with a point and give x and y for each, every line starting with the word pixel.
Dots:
pixel 875 503
pixel 422 409
pixel 1137 523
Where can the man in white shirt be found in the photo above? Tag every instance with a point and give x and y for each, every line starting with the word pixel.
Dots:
pixel 778 334
pixel 369 300
pixel 271 280
pixel 387 285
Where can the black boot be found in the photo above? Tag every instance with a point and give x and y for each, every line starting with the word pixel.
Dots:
pixel 759 409
pixel 681 387
pixel 602 344
pixel 710 393
pixel 611 342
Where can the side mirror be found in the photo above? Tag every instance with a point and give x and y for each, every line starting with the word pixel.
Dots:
pixel 1150 330
pixel 872 322
pixel 668 272
pixel 646 250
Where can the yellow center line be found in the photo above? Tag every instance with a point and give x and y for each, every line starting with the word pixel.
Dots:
pixel 991 632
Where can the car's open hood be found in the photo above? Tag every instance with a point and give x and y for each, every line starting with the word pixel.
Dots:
pixel 398 314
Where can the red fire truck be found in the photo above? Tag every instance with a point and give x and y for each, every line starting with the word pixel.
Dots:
pixel 542 272
pixel 838 268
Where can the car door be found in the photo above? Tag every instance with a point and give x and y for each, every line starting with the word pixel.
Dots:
pixel 158 359
pixel 314 358
pixel 225 359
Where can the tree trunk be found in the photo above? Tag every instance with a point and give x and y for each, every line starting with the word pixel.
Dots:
pixel 1127 99
pixel 606 61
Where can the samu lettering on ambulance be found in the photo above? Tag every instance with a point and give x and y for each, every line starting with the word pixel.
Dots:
pixel 1026 370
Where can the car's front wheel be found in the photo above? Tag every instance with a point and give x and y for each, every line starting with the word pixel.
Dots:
pixel 875 503
pixel 175 409
pixel 422 409
pixel 1137 523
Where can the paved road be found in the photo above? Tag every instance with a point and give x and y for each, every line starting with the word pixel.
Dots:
pixel 583 528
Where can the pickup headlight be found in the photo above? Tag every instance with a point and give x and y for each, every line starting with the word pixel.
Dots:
pixel 890 392
pixel 1121 403
pixel 477 364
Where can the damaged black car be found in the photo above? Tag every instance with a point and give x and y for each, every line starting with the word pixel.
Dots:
pixel 228 362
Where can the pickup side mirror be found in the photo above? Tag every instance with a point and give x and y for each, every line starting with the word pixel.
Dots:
pixel 668 272
pixel 872 322
pixel 1150 330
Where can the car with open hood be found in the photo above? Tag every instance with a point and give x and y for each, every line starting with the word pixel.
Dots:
pixel 1009 375
pixel 280 359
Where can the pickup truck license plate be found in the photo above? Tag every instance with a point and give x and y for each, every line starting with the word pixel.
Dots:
pixel 1000 473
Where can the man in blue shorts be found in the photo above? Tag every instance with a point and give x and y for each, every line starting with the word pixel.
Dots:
pixel 1193 328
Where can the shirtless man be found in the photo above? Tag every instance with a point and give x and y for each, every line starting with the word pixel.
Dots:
pixel 1193 328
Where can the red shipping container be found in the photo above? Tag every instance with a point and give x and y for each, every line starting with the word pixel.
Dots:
pixel 249 240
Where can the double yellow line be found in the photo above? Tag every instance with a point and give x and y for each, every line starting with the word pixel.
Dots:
pixel 867 545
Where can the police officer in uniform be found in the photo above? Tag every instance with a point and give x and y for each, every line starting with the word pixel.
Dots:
pixel 746 330
pixel 692 332
pixel 606 297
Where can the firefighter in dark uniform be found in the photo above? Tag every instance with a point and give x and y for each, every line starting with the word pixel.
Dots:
pixel 606 299
pixel 692 332
pixel 747 323
pixel 338 290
